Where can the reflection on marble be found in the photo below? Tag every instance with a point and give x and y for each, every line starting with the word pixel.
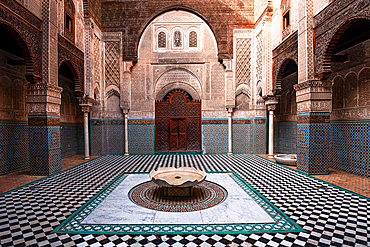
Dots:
pixel 238 207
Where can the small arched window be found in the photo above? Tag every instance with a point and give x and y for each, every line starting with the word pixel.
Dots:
pixel 177 39
pixel 161 39
pixel 69 16
pixel 193 39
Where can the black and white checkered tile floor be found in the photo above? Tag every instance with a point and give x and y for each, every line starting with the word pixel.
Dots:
pixel 330 216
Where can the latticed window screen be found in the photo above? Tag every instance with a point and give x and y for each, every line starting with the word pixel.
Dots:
pixel 243 61
pixel 177 39
pixel 161 40
pixel 193 39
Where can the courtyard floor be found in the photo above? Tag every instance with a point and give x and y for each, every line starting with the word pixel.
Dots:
pixel 332 210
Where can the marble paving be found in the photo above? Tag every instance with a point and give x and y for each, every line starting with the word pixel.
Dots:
pixel 118 209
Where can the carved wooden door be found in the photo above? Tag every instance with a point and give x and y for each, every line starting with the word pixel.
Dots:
pixel 177 123
pixel 178 137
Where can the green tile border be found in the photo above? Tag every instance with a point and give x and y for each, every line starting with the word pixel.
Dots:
pixel 73 224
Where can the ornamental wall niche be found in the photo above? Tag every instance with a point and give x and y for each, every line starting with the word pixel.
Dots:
pixel 330 24
pixel 69 53
pixel 26 29
pixel 286 50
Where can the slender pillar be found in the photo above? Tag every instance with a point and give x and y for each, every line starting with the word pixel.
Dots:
pixel 125 112
pixel 271 102
pixel 86 134
pixel 230 127
pixel 86 104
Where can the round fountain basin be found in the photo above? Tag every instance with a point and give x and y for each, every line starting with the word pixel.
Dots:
pixel 177 177
pixel 286 159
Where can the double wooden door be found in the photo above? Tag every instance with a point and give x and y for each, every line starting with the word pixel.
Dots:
pixel 178 134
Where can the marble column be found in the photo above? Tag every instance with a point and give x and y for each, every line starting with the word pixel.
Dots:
pixel 271 102
pixel 43 106
pixel 125 113
pixel 86 104
pixel 313 126
pixel 230 127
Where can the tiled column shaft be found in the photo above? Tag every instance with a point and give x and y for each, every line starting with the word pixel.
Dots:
pixel 43 104
pixel 313 126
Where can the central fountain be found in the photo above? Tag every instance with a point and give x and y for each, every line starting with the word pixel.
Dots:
pixel 177 181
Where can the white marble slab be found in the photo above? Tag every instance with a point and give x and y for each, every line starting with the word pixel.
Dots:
pixel 238 207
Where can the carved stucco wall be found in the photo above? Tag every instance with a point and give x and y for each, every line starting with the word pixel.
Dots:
pixel 161 69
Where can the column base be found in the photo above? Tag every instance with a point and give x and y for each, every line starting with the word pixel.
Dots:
pixel 229 153
pixel 126 154
pixel 86 158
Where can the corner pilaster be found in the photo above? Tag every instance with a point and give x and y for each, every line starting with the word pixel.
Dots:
pixel 43 107
pixel 313 126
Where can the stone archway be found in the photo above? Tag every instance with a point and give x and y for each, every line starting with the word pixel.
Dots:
pixel 71 117
pixel 178 123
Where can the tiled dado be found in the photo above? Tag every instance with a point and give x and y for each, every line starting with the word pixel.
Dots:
pixel 313 153
pixel 71 139
pixel 44 145
pixel 248 136
pixel 107 136
pixel 285 137
pixel 141 136
pixel 350 151
pixel 14 152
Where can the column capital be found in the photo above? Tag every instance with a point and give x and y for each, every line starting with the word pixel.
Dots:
pixel 271 101
pixel 85 103
pixel 127 66
pixel 313 96
pixel 43 99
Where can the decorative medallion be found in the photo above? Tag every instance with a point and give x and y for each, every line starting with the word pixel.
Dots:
pixel 204 195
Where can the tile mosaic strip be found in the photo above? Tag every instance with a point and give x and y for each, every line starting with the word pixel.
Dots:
pixel 74 223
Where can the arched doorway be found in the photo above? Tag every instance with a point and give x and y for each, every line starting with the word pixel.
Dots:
pixel 71 117
pixel 350 78
pixel 14 138
pixel 178 123
pixel 285 126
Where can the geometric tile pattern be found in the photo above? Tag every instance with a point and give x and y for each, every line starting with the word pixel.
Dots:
pixel 44 146
pixel 243 61
pixel 285 137
pixel 350 149
pixel 96 138
pixel 313 148
pixel 242 139
pixel 71 139
pixel 259 138
pixel 115 139
pixel 74 224
pixel 214 138
pixel 141 138
pixel 14 152
pixel 329 215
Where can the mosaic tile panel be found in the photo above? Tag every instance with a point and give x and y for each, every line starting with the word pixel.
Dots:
pixel 313 148
pixel 14 152
pixel 214 137
pixel 115 139
pixel 285 137
pixel 96 139
pixel 141 139
pixel 71 139
pixel 259 138
pixel 45 154
pixel 350 151
pixel 242 139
